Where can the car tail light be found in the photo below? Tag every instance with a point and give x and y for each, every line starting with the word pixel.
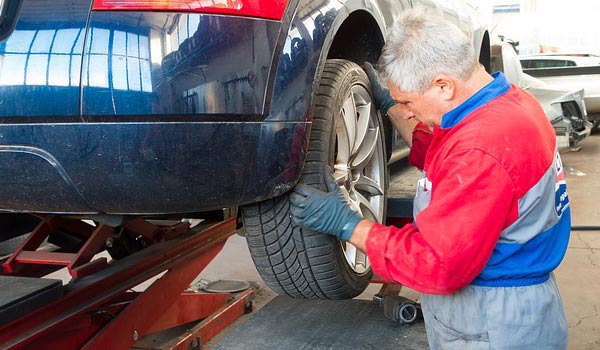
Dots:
pixel 270 9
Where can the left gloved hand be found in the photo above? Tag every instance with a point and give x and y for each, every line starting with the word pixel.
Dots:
pixel 326 212
pixel 381 93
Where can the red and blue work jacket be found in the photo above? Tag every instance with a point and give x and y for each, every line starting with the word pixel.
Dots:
pixel 491 208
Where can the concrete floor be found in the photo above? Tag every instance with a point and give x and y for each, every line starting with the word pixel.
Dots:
pixel 578 276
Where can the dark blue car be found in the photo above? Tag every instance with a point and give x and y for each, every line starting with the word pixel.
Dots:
pixel 119 108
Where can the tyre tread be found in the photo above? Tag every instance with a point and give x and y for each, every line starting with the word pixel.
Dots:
pixel 291 259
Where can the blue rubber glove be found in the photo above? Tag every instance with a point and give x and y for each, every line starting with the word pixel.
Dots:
pixel 381 93
pixel 326 212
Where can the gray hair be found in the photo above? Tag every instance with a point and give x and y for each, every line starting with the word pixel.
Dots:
pixel 422 45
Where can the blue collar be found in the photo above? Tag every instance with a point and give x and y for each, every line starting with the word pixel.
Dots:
pixel 489 92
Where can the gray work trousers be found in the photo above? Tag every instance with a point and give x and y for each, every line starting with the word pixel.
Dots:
pixel 507 318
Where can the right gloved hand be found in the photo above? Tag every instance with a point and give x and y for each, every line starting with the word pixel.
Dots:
pixel 326 212
pixel 381 94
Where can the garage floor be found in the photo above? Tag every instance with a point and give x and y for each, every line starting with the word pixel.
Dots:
pixel 578 276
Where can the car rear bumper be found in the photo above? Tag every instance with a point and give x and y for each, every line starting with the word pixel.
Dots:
pixel 146 167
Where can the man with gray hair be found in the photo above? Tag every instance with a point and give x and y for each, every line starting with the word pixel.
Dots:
pixel 492 217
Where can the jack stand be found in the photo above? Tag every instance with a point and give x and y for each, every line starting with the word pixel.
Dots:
pixel 396 308
pixel 400 309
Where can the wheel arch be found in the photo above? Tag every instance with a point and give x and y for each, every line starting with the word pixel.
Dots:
pixel 360 29
pixel 310 34
pixel 365 32
pixel 335 34
pixel 357 29
pixel 351 21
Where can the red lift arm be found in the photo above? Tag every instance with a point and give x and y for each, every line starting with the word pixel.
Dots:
pixel 98 309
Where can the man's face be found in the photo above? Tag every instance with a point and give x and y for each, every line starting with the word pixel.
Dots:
pixel 427 107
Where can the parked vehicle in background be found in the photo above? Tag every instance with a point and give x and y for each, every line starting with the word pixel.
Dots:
pixel 565 109
pixel 155 108
pixel 569 72
pixel 558 60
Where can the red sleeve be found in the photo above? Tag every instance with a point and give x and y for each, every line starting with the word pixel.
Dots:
pixel 421 139
pixel 471 203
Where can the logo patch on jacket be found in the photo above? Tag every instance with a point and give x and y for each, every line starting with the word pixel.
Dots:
pixel 561 199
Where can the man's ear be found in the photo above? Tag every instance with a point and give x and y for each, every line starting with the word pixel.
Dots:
pixel 445 86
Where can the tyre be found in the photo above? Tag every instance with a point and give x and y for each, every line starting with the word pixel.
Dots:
pixel 347 135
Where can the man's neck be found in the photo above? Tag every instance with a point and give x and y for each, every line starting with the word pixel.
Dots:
pixel 477 81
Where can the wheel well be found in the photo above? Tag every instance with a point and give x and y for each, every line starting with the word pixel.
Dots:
pixel 485 57
pixel 358 39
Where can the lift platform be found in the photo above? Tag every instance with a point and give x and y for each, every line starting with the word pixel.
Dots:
pixel 292 324
pixel 99 308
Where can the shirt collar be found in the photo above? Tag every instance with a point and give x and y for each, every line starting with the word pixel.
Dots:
pixel 492 90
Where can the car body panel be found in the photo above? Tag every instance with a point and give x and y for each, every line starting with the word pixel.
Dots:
pixel 306 47
pixel 145 145
pixel 588 82
pixel 163 113
pixel 125 167
pixel 164 64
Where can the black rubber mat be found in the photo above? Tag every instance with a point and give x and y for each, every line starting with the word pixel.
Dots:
pixel 292 324
pixel 21 295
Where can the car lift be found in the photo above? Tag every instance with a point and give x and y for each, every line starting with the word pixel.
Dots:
pixel 98 309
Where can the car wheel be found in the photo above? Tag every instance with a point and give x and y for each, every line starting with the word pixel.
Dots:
pixel 347 135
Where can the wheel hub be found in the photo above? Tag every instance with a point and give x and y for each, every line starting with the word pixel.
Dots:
pixel 360 164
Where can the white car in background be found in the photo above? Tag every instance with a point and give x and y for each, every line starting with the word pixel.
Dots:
pixel 558 60
pixel 565 109
pixel 569 72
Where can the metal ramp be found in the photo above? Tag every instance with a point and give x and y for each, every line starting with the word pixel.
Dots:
pixel 22 295
pixel 291 324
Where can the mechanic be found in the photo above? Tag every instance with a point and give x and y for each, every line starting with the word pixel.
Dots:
pixel 492 217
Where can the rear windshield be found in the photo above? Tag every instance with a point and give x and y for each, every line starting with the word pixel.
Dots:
pixel 546 63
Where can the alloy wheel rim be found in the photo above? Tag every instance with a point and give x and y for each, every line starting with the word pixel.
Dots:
pixel 359 167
